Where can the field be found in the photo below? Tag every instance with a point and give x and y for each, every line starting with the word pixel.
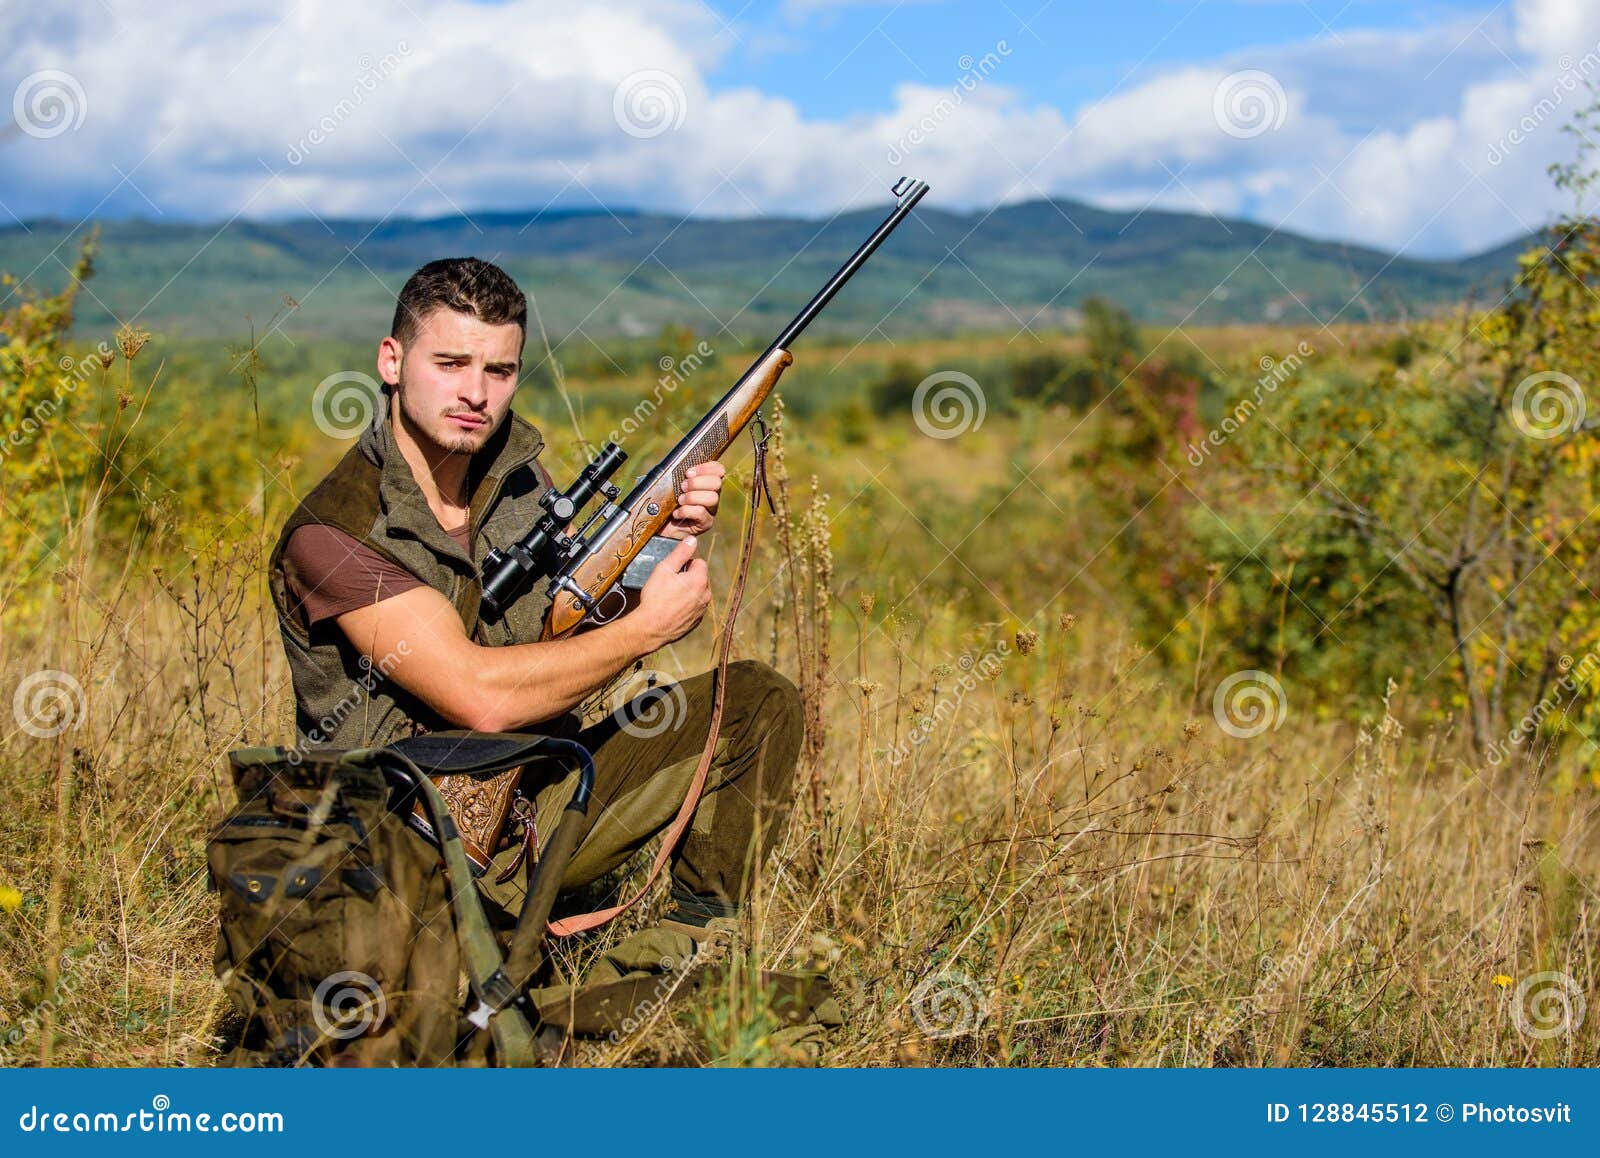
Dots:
pixel 1127 744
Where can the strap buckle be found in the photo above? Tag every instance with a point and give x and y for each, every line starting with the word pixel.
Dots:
pixel 759 423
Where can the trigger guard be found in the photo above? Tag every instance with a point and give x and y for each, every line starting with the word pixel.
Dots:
pixel 596 615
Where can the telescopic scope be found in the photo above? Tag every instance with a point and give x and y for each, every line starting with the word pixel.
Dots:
pixel 508 572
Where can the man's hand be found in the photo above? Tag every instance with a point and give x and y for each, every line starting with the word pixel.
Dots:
pixel 675 597
pixel 697 501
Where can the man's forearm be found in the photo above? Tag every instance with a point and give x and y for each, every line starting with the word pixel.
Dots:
pixel 492 689
pixel 528 683
pixel 499 689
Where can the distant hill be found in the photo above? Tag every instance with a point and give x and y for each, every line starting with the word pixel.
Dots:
pixel 603 273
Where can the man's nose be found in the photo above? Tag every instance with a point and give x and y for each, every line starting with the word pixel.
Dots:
pixel 473 387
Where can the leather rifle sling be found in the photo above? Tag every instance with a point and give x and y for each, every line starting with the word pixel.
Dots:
pixel 583 922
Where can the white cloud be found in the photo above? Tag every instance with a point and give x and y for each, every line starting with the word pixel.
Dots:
pixel 1547 29
pixel 371 109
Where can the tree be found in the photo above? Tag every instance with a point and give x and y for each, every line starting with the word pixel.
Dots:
pixel 1468 476
pixel 1111 334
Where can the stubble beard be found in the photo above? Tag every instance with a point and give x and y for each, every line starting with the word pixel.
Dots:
pixel 437 436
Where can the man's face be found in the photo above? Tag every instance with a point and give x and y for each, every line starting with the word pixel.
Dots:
pixel 455 378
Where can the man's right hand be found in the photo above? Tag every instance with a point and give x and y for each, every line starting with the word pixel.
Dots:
pixel 675 597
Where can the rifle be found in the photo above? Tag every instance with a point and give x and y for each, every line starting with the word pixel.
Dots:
pixel 585 567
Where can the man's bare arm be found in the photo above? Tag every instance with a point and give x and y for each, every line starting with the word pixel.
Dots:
pixel 418 639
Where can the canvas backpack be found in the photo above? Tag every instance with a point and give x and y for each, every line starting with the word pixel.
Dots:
pixel 341 939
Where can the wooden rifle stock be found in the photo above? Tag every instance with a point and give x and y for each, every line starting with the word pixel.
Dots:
pixel 651 503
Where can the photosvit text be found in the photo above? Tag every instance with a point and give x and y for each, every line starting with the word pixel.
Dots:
pixel 1478 1113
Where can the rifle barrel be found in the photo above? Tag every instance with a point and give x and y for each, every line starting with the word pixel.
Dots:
pixel 911 194
pixel 815 306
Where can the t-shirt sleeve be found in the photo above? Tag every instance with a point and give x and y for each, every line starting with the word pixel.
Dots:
pixel 328 573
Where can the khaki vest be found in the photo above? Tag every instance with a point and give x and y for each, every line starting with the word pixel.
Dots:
pixel 342 699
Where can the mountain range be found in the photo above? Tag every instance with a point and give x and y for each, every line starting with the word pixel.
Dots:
pixel 604 273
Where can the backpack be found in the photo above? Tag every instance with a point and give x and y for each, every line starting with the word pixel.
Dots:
pixel 343 940
pixel 344 930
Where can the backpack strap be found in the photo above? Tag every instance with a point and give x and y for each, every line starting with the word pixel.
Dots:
pixel 496 1010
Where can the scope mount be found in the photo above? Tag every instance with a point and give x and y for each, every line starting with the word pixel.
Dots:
pixel 509 571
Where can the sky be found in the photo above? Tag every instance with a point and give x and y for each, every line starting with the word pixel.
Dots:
pixel 1424 128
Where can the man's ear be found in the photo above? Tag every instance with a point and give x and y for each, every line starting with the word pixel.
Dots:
pixel 390 354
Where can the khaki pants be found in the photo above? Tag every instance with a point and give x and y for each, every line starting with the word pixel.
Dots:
pixel 645 755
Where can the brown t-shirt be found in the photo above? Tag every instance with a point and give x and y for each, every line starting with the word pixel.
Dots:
pixel 329 573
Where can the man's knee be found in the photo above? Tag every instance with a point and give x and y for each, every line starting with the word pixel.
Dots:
pixel 770 693
pixel 776 716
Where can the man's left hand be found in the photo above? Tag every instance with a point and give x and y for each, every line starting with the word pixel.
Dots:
pixel 697 501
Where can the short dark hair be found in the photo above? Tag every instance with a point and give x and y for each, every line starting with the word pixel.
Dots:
pixel 466 285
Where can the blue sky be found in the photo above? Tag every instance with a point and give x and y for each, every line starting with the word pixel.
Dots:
pixel 1425 128
pixel 1067 54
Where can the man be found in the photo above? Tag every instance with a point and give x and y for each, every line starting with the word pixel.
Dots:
pixel 375 579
